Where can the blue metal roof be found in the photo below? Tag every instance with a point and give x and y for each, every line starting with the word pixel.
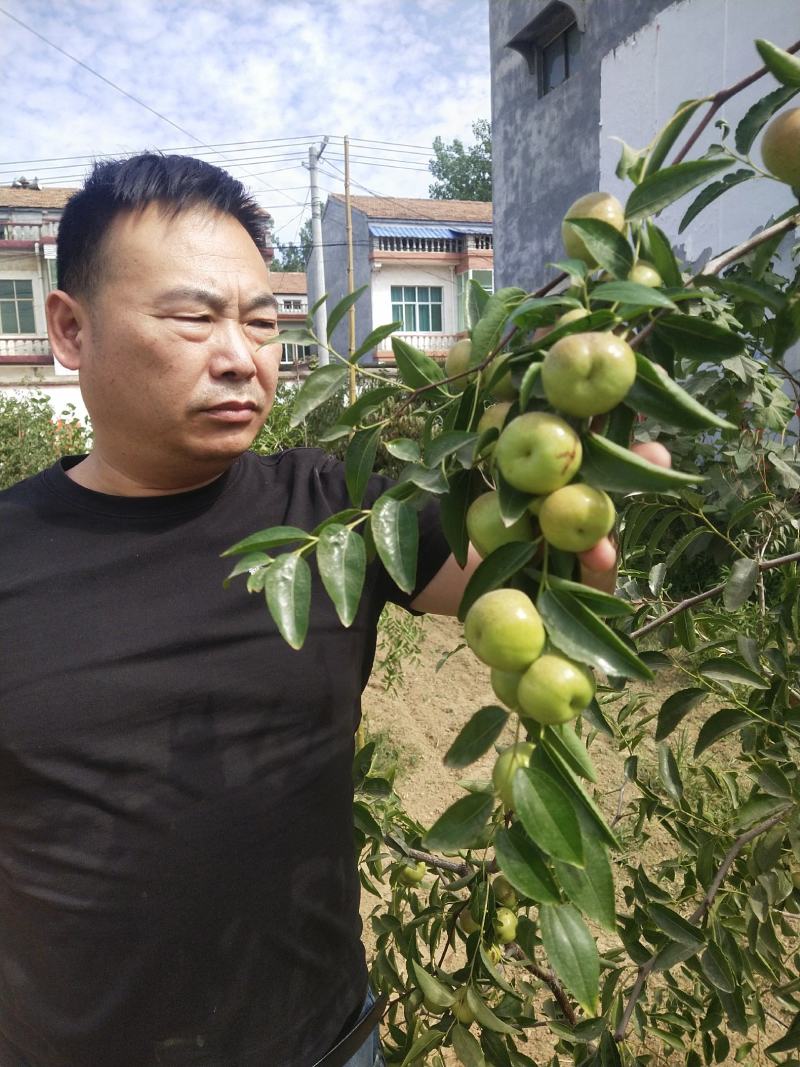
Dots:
pixel 405 229
pixel 472 227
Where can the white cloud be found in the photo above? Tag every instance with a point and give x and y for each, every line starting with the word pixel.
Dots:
pixel 390 70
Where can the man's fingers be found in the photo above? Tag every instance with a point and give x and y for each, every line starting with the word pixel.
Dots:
pixel 653 451
pixel 600 557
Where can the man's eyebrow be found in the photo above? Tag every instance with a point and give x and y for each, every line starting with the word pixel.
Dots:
pixel 216 301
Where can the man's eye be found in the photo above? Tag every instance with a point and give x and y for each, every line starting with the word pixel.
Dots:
pixel 263 324
pixel 192 318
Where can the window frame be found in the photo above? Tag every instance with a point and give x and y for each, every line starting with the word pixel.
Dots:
pixel 29 278
pixel 404 304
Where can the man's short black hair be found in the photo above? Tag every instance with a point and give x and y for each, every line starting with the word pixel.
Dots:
pixel 121 185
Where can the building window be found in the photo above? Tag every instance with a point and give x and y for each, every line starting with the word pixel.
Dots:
pixel 558 59
pixel 484 278
pixel 551 46
pixel 292 354
pixel 418 307
pixel 16 306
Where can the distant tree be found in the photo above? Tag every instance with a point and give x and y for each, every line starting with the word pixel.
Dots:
pixel 294 256
pixel 463 173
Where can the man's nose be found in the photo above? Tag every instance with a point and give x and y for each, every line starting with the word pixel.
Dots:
pixel 233 351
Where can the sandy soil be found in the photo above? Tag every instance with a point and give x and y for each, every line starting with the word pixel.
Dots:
pixel 422 720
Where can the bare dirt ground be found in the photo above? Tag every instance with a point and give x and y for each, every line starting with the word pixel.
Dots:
pixel 419 723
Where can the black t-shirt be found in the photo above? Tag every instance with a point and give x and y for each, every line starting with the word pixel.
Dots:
pixel 177 875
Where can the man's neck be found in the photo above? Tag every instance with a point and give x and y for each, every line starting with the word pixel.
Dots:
pixel 100 476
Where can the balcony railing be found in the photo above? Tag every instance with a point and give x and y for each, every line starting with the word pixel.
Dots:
pixel 427 342
pixel 17 231
pixel 24 346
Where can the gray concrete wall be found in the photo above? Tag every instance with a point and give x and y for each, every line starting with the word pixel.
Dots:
pixel 334 239
pixel 546 151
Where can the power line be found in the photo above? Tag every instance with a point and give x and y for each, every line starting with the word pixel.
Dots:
pixel 108 81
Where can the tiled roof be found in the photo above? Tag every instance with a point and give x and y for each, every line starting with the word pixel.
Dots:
pixel 392 207
pixel 288 281
pixel 11 196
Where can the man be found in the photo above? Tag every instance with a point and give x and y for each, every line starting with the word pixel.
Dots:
pixel 177 884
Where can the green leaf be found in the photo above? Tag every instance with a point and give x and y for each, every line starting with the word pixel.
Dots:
pixel 359 461
pixel 488 332
pixel 294 337
pixel 642 296
pixel 365 405
pixel 403 448
pixel 564 740
pixel 525 866
pixel 431 480
pixel 513 503
pixel 591 889
pixel 461 823
pixel 453 512
pixel 746 290
pixel 600 603
pixel 720 725
pixel 692 336
pixel 484 1016
pixel 498 567
pixel 467 1048
pixel 319 386
pixel 781 64
pixel 273 537
pixel 249 562
pixel 669 135
pixel 547 813
pixel 790 1040
pixel 672 954
pixel 395 531
pixel 758 115
pixel 342 562
pixel 675 708
pixel 477 299
pixel 787 327
pixel 668 770
pixel 757 809
pixel 740 584
pixel 446 444
pixel 675 926
pixel 617 469
pixel 373 339
pixel 657 395
pixel 665 186
pixel 572 952
pixel 540 310
pixel 580 634
pixel 288 592
pixel 606 244
pixel 682 544
pixel 729 669
pixel 427 1040
pixel 711 193
pixel 550 761
pixel 662 257
pixel 414 367
pixel 530 384
pixel 717 969
pixel 435 992
pixel 477 736
pixel 340 310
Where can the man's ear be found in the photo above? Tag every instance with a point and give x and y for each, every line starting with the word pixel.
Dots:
pixel 67 319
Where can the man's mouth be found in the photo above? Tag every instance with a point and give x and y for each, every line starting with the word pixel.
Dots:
pixel 235 405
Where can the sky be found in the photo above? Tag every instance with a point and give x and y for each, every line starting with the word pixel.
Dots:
pixel 392 74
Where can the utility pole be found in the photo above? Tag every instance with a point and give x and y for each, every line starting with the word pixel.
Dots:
pixel 321 314
pixel 351 314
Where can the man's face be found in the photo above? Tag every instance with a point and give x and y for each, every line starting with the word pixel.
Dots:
pixel 175 369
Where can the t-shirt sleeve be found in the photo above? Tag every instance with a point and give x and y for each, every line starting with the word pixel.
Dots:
pixel 433 547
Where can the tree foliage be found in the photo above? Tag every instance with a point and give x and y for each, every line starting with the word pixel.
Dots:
pixel 294 256
pixel 463 173
pixel 660 921
pixel 31 437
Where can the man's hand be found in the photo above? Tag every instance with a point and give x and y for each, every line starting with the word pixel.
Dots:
pixel 442 595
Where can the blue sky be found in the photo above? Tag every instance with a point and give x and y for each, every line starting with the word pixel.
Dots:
pixel 399 71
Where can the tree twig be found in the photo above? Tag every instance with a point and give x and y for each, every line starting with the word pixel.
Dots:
pixel 714 266
pixel 549 979
pixel 428 858
pixel 698 913
pixel 779 561
pixel 721 97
